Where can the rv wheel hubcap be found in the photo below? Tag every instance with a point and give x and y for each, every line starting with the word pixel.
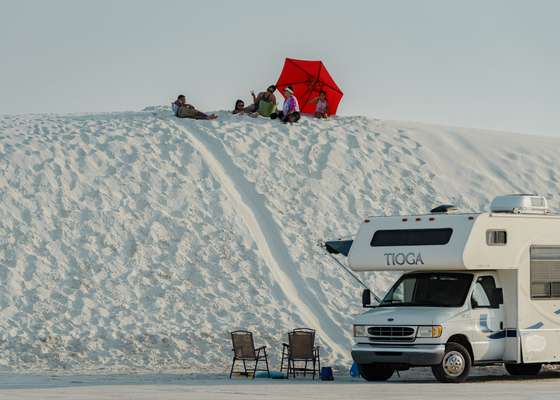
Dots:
pixel 454 363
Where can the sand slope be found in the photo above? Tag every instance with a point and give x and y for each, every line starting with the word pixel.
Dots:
pixel 138 241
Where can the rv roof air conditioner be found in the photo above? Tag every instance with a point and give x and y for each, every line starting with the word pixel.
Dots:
pixel 520 204
pixel 444 209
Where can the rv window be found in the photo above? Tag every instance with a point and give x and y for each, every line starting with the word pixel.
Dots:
pixel 496 238
pixel 429 289
pixel 545 272
pixel 411 237
pixel 483 292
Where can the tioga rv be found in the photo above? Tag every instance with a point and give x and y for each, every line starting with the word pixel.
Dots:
pixel 477 289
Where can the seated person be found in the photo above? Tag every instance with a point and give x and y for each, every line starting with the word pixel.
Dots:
pixel 183 110
pixel 290 110
pixel 321 105
pixel 264 103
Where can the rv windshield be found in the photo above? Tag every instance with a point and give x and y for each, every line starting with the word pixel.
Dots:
pixel 431 289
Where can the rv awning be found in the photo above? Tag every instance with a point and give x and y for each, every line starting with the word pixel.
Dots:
pixel 339 246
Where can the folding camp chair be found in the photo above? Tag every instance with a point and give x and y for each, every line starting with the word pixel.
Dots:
pixel 244 350
pixel 301 349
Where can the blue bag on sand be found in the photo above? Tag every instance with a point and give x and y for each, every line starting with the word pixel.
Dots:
pixel 273 375
pixel 326 374
pixel 354 371
pixel 277 375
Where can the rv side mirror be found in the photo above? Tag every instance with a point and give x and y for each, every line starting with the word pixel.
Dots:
pixel 366 298
pixel 497 297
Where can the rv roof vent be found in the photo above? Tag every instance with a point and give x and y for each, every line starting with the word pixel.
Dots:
pixel 520 204
pixel 444 209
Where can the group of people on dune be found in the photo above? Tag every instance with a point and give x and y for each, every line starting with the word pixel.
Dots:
pixel 264 104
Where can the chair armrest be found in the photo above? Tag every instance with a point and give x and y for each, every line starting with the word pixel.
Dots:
pixel 260 348
pixel 285 345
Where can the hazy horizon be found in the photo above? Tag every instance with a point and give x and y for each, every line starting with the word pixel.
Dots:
pixel 489 65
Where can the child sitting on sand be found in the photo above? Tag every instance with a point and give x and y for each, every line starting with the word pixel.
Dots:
pixel 322 105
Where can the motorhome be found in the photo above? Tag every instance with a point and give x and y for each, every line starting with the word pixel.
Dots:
pixel 477 289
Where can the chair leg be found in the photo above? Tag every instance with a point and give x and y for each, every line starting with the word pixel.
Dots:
pixel 305 369
pixel 255 369
pixel 313 368
pixel 245 368
pixel 232 365
pixel 282 361
pixel 266 361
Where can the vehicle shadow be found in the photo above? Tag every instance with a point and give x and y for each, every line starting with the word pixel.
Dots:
pixel 496 374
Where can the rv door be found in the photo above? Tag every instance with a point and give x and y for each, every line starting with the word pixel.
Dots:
pixel 489 335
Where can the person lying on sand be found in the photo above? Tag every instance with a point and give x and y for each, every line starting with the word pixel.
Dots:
pixel 239 107
pixel 321 105
pixel 184 110
pixel 290 110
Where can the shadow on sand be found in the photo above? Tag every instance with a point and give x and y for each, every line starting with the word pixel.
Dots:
pixel 58 380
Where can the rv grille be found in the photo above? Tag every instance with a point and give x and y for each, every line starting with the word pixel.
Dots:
pixel 391 333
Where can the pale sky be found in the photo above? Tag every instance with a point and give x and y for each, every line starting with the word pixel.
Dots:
pixel 486 64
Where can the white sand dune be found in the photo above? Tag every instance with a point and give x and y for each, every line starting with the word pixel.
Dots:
pixel 137 241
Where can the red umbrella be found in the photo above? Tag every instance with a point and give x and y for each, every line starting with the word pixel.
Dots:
pixel 307 79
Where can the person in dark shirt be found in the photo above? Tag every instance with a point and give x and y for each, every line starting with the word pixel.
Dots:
pixel 183 110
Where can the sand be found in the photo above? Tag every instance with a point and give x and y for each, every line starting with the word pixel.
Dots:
pixel 135 241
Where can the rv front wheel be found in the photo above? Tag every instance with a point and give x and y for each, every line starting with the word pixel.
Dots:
pixel 375 372
pixel 455 365
pixel 523 369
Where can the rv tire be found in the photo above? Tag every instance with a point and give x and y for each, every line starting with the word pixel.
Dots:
pixel 455 365
pixel 376 372
pixel 523 369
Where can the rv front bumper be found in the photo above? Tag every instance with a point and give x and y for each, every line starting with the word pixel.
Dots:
pixel 413 355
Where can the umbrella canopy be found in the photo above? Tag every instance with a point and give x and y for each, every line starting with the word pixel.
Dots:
pixel 307 79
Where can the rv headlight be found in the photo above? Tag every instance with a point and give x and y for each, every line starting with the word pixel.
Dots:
pixel 360 330
pixel 431 331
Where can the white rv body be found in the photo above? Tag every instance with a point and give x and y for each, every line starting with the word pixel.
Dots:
pixel 519 252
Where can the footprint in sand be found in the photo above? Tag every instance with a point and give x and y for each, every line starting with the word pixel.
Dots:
pixel 318 156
